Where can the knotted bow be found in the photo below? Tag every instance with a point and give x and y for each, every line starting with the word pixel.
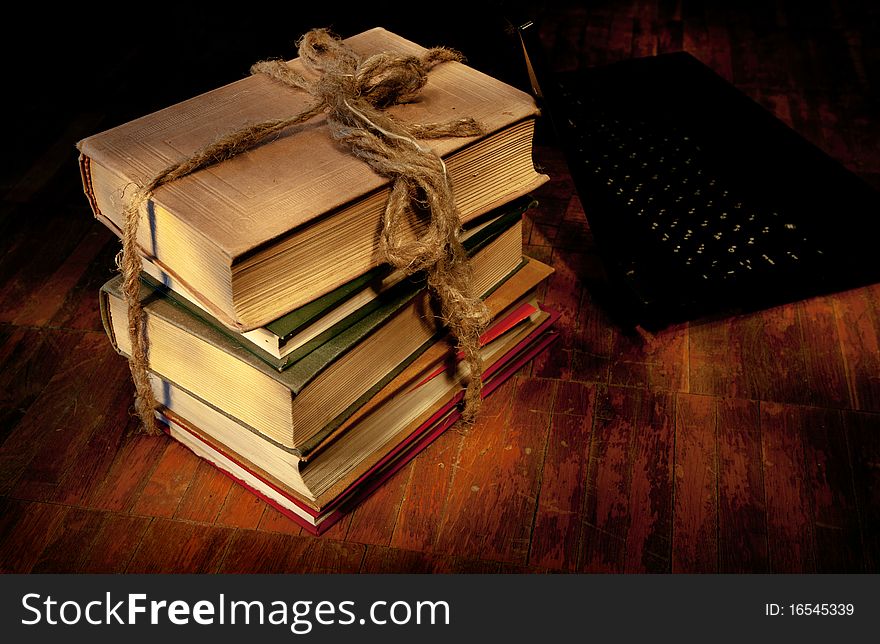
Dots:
pixel 353 93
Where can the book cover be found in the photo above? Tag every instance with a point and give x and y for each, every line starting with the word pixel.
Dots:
pixel 240 235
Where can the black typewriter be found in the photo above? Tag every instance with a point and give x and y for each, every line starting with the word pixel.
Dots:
pixel 700 200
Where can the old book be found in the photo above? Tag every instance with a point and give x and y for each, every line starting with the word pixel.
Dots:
pixel 289 339
pixel 509 296
pixel 411 412
pixel 296 407
pixel 272 229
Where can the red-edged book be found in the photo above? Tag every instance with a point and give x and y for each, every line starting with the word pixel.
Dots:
pixel 402 420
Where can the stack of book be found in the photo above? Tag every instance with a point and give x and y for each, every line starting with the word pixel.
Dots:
pixel 281 348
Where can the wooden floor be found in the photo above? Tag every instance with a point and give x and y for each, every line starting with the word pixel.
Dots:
pixel 746 444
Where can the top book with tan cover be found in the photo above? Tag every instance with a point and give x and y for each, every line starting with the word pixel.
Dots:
pixel 287 221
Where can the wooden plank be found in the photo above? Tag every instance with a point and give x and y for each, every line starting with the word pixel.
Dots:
pixel 754 58
pixel 559 515
pixel 338 530
pixel 859 131
pixel 241 509
pixel 26 267
pixel 857 327
pixel 575 240
pixel 115 543
pixel 649 537
pixel 274 521
pixel 841 131
pixel 720 58
pixel 385 560
pixel 205 496
pixel 80 309
pixel 829 484
pixel 82 482
pixel 542 234
pixel 433 473
pixel 742 517
pixel 263 552
pixel 594 337
pixel 64 445
pixel 805 117
pixel 594 49
pixel 565 39
pixel 654 361
pixel 589 367
pixel 773 356
pixel 562 295
pixel 25 530
pixel 593 342
pixel 373 520
pixel 493 496
pixel 715 365
pixel 253 552
pixel 70 544
pixel 170 546
pixel 759 356
pixel 425 495
pixel 41 305
pixel 815 72
pixel 644 40
pixel 47 418
pixel 669 10
pixel 824 366
pixel 620 36
pixel 133 462
pixel 629 364
pixel 670 37
pixel 554 362
pixel 695 33
pixel 695 527
pixel 28 360
pixel 556 193
pixel 606 512
pixel 542 254
pixel 310 555
pixel 863 438
pixel 776 102
pixel 168 482
pixel 573 211
pixel 527 224
pixel 790 537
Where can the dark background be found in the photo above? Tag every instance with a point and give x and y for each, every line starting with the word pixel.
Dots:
pixel 128 60
pixel 123 61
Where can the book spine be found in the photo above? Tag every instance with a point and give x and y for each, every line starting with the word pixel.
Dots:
pixel 85 171
pixel 106 321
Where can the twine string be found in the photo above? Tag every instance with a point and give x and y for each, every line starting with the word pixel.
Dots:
pixel 352 92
